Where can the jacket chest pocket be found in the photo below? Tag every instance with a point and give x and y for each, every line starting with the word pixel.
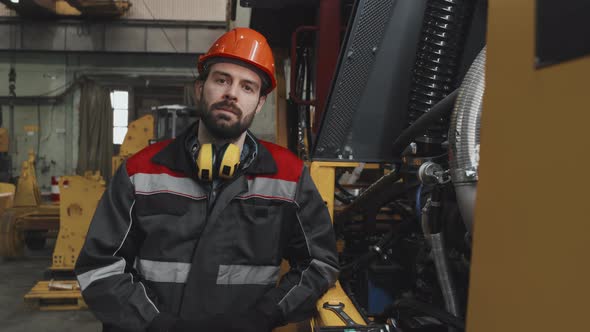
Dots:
pixel 162 204
pixel 258 232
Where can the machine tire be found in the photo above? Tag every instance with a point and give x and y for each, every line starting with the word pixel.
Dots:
pixel 11 238
pixel 36 240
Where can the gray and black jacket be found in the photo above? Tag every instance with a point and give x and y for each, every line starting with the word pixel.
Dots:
pixel 156 245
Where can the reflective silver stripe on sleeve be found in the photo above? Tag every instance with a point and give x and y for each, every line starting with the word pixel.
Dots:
pixel 327 271
pixel 247 275
pixel 159 271
pixel 268 188
pixel 149 184
pixel 89 277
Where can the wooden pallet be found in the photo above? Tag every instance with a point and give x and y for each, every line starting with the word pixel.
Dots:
pixel 56 295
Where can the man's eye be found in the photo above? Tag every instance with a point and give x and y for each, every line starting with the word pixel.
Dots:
pixel 221 80
pixel 248 88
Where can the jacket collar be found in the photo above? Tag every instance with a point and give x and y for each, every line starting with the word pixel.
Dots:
pixel 177 157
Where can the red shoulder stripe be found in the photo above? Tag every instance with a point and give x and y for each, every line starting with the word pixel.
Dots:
pixel 141 162
pixel 288 165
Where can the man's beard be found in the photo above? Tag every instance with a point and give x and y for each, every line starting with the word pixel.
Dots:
pixel 223 130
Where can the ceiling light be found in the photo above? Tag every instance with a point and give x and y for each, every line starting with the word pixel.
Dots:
pixel 14 1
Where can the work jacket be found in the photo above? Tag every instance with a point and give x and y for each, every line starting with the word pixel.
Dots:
pixel 160 241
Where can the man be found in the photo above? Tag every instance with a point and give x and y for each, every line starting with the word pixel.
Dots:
pixel 169 249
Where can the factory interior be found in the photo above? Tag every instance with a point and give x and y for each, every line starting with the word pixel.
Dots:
pixel 429 128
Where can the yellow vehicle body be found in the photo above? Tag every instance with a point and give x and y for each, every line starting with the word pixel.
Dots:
pixel 139 134
pixel 79 198
pixel 529 267
pixel 23 212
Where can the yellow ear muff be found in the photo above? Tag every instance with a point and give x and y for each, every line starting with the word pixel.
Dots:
pixel 229 160
pixel 217 164
pixel 205 160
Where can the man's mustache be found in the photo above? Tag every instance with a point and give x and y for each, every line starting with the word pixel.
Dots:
pixel 226 105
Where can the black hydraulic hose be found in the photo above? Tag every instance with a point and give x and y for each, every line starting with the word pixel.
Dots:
pixel 378 194
pixel 361 259
pixel 343 198
pixel 344 191
pixel 390 239
pixel 425 308
pixel 383 243
pixel 421 125
pixel 308 92
pixel 348 291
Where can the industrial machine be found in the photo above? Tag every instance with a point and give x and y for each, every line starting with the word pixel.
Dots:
pixel 26 221
pixel 171 120
pixel 79 198
pixel 419 250
pixel 395 157
pixel 138 136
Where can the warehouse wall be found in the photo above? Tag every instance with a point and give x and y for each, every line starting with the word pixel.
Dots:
pixel 39 74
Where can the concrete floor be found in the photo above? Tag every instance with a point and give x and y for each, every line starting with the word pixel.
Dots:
pixel 17 277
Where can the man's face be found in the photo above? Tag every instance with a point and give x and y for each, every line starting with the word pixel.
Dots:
pixel 229 99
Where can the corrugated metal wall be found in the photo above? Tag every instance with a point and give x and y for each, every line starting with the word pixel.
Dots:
pixel 181 10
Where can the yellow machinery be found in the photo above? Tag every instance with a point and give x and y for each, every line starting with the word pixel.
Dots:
pixel 530 243
pixel 9 237
pixel 324 177
pixel 75 215
pixel 139 134
pixel 530 253
pixel 27 221
pixel 79 197
pixel 27 193
pixel 4 141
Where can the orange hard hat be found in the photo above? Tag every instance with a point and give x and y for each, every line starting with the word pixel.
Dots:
pixel 246 45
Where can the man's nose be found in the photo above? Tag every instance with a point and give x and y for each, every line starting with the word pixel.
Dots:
pixel 231 92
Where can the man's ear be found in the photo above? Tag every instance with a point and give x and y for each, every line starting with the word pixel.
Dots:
pixel 198 90
pixel 261 101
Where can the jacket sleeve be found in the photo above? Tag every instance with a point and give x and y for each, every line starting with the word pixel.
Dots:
pixel 311 252
pixel 104 267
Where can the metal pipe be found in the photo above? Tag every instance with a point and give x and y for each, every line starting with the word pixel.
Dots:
pixel 443 273
pixel 292 86
pixel 439 255
pixel 464 138
pixel 12 97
